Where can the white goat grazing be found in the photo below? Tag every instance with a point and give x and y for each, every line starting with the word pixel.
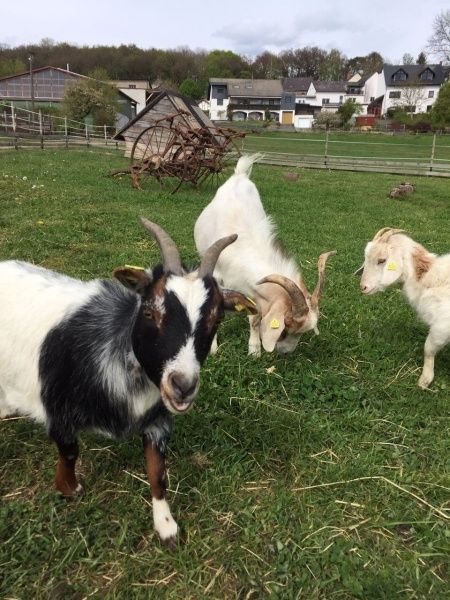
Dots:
pixel 392 256
pixel 256 266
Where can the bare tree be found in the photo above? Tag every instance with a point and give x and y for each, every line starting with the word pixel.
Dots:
pixel 439 42
pixel 408 59
pixel 412 97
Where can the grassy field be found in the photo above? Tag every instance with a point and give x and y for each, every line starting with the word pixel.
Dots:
pixel 325 474
pixel 374 145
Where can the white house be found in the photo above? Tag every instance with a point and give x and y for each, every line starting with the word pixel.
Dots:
pixel 138 90
pixel 248 98
pixel 412 87
pixel 303 98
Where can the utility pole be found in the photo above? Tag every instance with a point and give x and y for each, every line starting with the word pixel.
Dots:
pixel 30 58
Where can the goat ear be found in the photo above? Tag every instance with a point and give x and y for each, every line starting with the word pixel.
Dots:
pixel 272 326
pixel 359 271
pixel 236 301
pixel 133 278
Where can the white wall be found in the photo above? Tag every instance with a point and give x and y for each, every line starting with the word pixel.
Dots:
pixel 418 96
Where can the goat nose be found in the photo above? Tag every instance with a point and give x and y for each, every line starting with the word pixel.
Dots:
pixel 183 386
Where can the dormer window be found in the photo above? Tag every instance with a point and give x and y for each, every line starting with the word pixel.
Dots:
pixel 400 75
pixel 427 75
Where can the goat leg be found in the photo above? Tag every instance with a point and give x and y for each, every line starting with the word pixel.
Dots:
pixel 66 481
pixel 163 521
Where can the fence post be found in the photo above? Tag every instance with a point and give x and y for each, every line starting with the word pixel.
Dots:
pixel 433 148
pixel 326 146
pixel 86 133
pixel 65 132
pixel 106 136
pixel 13 117
pixel 41 133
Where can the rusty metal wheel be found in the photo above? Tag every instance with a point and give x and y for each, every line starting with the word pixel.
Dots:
pixel 152 156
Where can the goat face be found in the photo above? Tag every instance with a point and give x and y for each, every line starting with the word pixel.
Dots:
pixel 177 320
pixel 292 312
pixel 383 262
pixel 178 317
pixel 279 329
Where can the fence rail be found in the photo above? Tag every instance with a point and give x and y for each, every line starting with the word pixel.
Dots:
pixel 350 155
pixel 21 128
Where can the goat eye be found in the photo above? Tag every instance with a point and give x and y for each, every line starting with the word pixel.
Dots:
pixel 381 261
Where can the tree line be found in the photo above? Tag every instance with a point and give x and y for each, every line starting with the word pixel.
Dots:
pixel 183 66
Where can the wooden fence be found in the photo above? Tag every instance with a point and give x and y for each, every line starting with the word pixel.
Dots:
pixel 21 128
pixel 430 166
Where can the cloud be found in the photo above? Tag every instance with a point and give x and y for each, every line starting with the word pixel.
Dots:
pixel 252 37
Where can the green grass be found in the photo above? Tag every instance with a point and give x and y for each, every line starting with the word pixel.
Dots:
pixel 342 416
pixel 356 145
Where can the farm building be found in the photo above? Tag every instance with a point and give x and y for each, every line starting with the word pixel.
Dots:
pixel 46 86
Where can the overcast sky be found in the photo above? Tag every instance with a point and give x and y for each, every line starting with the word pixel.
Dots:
pixel 247 27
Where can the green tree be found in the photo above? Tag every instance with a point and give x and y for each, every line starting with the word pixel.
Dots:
pixel 422 59
pixel 334 66
pixel 12 67
pixel 223 63
pixel 92 96
pixel 347 110
pixel 191 88
pixel 365 65
pixel 440 113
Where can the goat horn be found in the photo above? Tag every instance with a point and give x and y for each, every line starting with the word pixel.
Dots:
pixel 299 305
pixel 359 271
pixel 169 251
pixel 212 254
pixel 385 233
pixel 321 281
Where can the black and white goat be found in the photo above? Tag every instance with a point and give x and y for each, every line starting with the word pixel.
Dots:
pixel 97 356
pixel 257 267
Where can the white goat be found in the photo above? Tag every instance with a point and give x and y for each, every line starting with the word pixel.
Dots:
pixel 394 257
pixel 256 266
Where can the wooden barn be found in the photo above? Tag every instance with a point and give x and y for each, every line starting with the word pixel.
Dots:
pixel 169 111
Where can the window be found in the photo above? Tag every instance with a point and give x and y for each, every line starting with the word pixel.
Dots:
pixel 288 99
pixel 132 86
pixel 431 94
pixel 400 75
pixel 219 101
pixel 410 109
pixel 220 90
pixel 427 75
pixel 394 94
pixel 341 99
pixel 325 101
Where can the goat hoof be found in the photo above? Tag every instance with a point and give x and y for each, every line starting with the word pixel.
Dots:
pixel 69 492
pixel 171 543
pixel 423 384
pixel 255 352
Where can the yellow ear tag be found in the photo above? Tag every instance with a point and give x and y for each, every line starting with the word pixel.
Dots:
pixel 274 324
pixel 239 307
pixel 392 266
pixel 134 267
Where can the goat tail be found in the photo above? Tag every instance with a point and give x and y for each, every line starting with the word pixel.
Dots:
pixel 245 163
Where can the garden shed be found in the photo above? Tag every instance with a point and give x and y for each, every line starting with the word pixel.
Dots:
pixel 161 106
